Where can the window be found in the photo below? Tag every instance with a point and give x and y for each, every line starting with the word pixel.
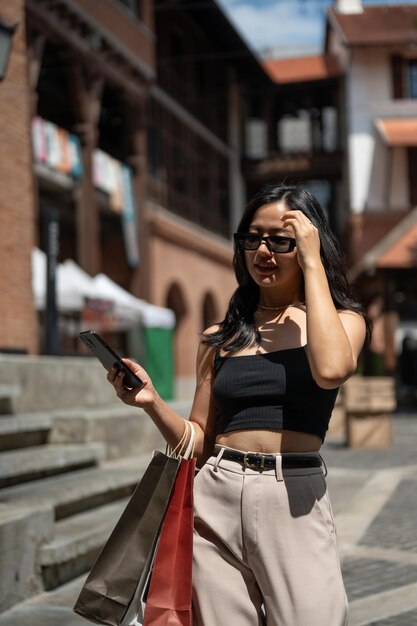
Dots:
pixel 412 78
pixel 256 138
pixel 155 153
pixel 295 133
pixel 404 77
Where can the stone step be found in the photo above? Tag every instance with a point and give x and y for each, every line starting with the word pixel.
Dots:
pixel 80 490
pixel 24 429
pixel 29 514
pixel 77 542
pixel 8 392
pixel 19 466
pixel 48 609
pixel 125 430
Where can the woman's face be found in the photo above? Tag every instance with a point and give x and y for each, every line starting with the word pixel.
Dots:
pixel 268 269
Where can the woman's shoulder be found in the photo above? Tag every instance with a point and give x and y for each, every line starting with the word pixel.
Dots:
pixel 206 353
pixel 354 324
pixel 205 346
pixel 211 329
pixel 350 313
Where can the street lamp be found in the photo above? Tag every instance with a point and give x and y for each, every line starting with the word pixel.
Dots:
pixel 6 39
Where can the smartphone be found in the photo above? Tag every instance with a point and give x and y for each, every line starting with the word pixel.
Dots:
pixel 108 358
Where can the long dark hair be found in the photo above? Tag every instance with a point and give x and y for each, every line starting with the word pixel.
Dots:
pixel 238 329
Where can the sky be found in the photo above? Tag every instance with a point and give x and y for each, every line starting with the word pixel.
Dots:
pixel 283 27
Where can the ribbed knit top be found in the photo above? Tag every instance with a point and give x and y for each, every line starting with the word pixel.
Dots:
pixel 273 390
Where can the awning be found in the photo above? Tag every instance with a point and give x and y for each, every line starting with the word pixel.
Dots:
pixel 397 250
pixel 149 315
pixel 401 254
pixel 398 132
pixel 74 286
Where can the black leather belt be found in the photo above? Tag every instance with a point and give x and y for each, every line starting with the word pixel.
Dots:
pixel 261 461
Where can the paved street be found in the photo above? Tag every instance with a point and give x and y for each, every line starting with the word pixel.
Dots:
pixel 374 495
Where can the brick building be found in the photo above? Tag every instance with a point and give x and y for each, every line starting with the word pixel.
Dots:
pixel 155 94
pixel 18 329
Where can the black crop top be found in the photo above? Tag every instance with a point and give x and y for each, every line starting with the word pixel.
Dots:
pixel 273 390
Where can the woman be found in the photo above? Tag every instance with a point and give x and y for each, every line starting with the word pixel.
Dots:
pixel 267 380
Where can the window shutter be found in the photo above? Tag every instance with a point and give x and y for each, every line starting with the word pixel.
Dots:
pixel 412 175
pixel 397 70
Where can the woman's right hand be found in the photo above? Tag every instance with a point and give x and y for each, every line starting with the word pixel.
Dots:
pixel 143 398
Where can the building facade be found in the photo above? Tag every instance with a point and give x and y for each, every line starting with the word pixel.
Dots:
pixel 19 329
pixel 128 134
pixel 294 130
pixel 375 46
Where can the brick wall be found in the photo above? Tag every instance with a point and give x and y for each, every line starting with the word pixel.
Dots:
pixel 18 322
pixel 199 265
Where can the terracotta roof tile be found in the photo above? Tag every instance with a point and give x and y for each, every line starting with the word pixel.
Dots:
pixel 398 132
pixel 377 25
pixel 394 248
pixel 303 69
pixel 403 253
pixel 369 228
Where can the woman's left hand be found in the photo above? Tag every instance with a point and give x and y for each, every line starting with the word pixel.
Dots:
pixel 306 236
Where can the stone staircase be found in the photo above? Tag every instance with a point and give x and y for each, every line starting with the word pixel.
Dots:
pixel 65 477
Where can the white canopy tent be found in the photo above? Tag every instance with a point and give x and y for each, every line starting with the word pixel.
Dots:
pixel 149 328
pixel 150 315
pixel 74 285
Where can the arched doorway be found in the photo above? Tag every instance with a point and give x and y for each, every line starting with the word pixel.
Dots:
pixel 176 300
pixel 210 314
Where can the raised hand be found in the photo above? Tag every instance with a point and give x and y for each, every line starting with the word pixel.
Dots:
pixel 306 236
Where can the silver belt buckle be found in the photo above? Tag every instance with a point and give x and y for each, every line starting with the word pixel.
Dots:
pixel 248 464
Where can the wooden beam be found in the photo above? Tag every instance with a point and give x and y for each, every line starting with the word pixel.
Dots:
pixel 86 95
pixel 86 92
pixel 121 74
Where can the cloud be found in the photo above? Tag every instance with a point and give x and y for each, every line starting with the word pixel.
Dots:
pixel 275 24
pixel 283 24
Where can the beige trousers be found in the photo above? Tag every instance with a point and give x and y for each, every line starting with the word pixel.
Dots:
pixel 265 548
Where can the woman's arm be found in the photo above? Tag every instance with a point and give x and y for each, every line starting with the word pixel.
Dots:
pixel 169 423
pixel 334 338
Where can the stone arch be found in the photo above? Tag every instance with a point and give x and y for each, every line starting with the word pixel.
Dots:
pixel 176 300
pixel 210 311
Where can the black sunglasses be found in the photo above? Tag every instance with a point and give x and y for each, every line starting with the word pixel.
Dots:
pixel 274 243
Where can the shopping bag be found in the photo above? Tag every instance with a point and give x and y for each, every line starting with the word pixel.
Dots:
pixel 122 567
pixel 168 602
pixel 136 611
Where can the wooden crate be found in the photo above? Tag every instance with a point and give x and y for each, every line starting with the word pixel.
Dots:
pixel 369 403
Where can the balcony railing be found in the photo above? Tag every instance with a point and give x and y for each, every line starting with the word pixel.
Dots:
pixel 309 132
pixel 306 165
pixel 212 114
pixel 189 208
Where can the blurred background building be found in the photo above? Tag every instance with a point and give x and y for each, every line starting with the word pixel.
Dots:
pixel 133 133
pixel 123 124
pixel 376 48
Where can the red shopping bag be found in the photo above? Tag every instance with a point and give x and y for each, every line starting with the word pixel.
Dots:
pixel 169 597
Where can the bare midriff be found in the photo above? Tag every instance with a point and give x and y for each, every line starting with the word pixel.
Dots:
pixel 269 441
